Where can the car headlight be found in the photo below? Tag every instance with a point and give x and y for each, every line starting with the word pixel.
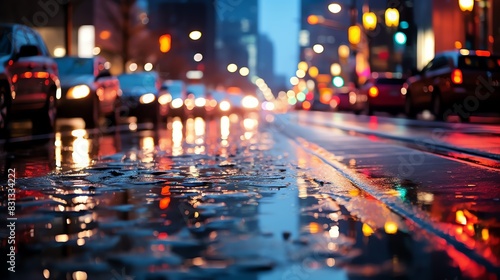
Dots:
pixel 250 102
pixel 165 99
pixel 147 98
pixel 176 103
pixel 200 102
pixel 78 92
pixel 224 106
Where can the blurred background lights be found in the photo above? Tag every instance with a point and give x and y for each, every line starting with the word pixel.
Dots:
pixel 232 68
pixel 198 57
pixel 318 48
pixel 195 35
pixel 244 71
pixel 334 8
pixel 148 66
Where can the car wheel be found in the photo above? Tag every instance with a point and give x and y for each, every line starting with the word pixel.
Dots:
pixel 92 115
pixel 4 112
pixel 45 120
pixel 410 111
pixel 437 107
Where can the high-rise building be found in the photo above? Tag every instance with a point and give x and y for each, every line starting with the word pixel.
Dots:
pixel 237 38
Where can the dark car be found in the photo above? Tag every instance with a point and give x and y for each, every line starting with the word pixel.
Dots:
pixel 383 91
pixel 172 96
pixel 348 99
pixel 140 92
pixel 89 91
pixel 29 82
pixel 461 82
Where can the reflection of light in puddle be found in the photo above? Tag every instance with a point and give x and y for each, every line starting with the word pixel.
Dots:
pixel 58 150
pixel 390 227
pixel 250 124
pixel 46 273
pixel 194 171
pixel 80 155
pixel 334 232
pixel 367 230
pixel 460 217
pixel 330 262
pixel 79 275
pixel 61 238
pixel 485 234
pixel 132 126
pixel 177 138
pixel 190 134
pixel 224 127
pixel 425 197
pixel 148 143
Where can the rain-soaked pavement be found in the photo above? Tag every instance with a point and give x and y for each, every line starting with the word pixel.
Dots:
pixel 236 198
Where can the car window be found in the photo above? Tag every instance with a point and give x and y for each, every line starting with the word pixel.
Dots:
pixel 35 39
pixel 428 66
pixel 137 80
pixel 73 65
pixel 439 63
pixel 5 40
pixel 479 62
pixel 20 38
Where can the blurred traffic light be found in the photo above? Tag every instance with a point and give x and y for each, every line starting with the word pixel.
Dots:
pixel 354 34
pixel 338 81
pixel 400 38
pixel 165 43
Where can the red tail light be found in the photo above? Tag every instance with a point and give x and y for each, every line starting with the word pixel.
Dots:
pixel 482 53
pixel 457 77
pixel 373 91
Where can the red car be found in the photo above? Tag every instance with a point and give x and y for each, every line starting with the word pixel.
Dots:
pixel 383 91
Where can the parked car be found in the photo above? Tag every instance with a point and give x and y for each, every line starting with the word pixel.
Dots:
pixel 172 96
pixel 348 99
pixel 383 92
pixel 29 82
pixel 460 82
pixel 140 96
pixel 89 91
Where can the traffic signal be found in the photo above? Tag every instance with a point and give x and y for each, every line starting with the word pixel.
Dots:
pixel 165 43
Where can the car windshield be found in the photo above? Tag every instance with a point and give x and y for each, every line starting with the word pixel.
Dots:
pixel 5 40
pixel 196 90
pixel 175 89
pixel 137 80
pixel 75 65
pixel 491 63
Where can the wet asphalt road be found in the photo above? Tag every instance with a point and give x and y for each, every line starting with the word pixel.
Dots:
pixel 262 197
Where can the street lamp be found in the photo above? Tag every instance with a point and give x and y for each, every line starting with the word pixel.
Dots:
pixel 369 21
pixel 195 35
pixel 354 34
pixel 466 5
pixel 392 17
pixel 334 8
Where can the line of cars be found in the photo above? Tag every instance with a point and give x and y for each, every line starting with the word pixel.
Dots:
pixel 461 82
pixel 38 87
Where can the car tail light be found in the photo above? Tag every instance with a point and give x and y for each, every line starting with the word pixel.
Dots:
pixel 456 76
pixel 482 53
pixel 373 91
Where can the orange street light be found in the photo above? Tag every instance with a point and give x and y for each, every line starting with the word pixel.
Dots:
pixel 391 17
pixel 165 43
pixel 313 19
pixel 466 5
pixel 369 20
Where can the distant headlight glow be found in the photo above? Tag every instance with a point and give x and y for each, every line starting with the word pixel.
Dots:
pixel 250 102
pixel 200 102
pixel 176 103
pixel 147 98
pixel 164 99
pixel 78 92
pixel 224 106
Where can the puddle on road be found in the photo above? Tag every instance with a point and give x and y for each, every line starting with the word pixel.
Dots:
pixel 228 200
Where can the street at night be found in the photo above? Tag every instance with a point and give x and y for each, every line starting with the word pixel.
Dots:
pixel 250 139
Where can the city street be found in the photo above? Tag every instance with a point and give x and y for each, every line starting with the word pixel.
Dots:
pixel 301 195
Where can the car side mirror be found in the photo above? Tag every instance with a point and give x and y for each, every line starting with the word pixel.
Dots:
pixel 27 51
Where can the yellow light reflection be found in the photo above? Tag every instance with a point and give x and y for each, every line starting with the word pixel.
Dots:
pixel 177 138
pixel 334 232
pixel 460 217
pixel 367 230
pixel 314 227
pixel 190 127
pixel 250 124
pixel 485 234
pixel 62 238
pixel 224 127
pixel 79 275
pixel 148 143
pixel 58 150
pixel 46 273
pixel 390 227
pixel 81 149
pixel 330 262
